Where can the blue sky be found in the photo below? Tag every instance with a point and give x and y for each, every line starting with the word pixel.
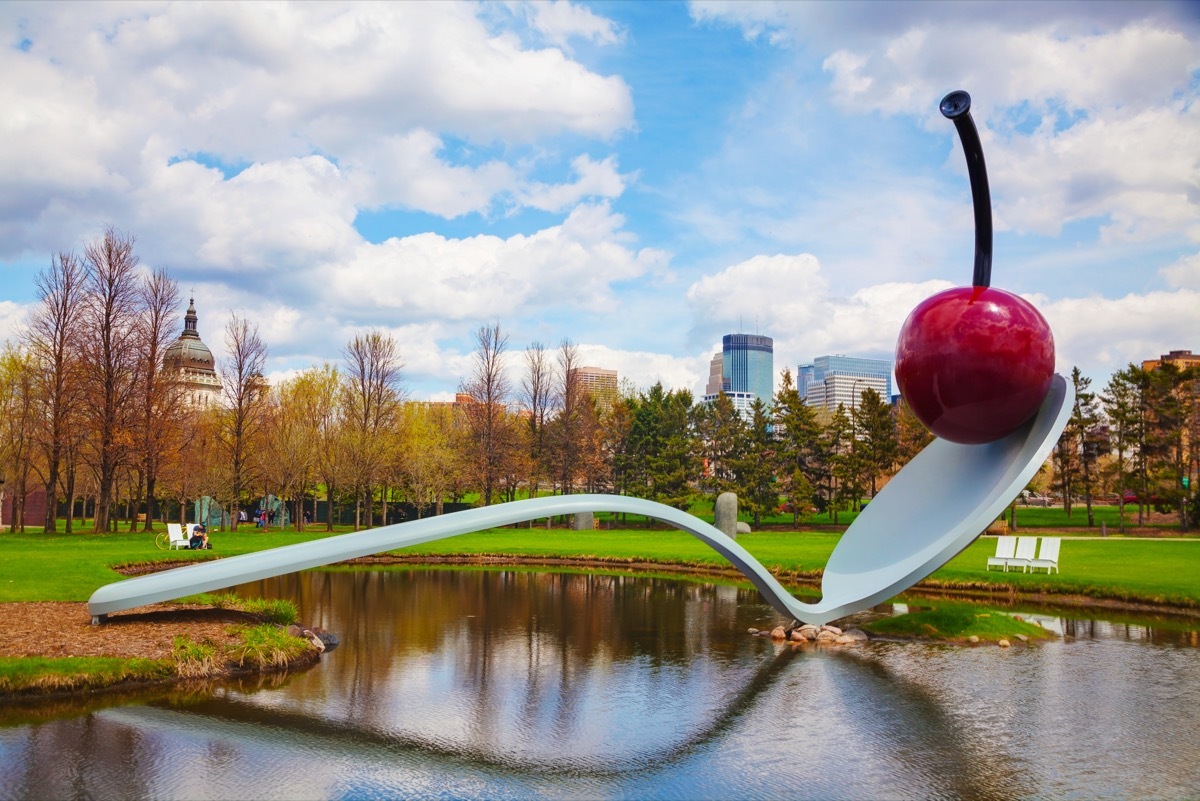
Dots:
pixel 638 178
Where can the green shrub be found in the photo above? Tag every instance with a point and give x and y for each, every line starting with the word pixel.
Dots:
pixel 266 646
pixel 273 610
pixel 193 659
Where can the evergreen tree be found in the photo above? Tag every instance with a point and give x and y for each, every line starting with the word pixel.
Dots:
pixel 838 444
pixel 875 437
pixel 663 445
pixel 797 437
pixel 723 438
pixel 755 467
pixel 1121 407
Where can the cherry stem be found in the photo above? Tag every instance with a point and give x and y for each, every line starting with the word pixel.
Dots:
pixel 956 107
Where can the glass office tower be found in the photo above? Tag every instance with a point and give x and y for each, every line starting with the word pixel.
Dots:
pixel 748 365
pixel 833 380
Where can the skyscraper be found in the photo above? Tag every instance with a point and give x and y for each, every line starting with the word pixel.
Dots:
pixel 601 384
pixel 842 379
pixel 747 370
pixel 748 364
pixel 715 382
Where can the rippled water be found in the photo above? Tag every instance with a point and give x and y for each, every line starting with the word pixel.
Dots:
pixel 508 684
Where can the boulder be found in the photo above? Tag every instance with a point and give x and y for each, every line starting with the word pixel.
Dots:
pixel 314 640
pixel 855 635
pixel 834 629
pixel 725 514
pixel 1004 643
pixel 778 633
pixel 809 631
pixel 328 638
pixel 752 630
pixel 743 528
pixel 583 521
pixel 827 636
pixel 974 638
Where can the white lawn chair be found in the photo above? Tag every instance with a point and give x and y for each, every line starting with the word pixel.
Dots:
pixel 176 538
pixel 1026 551
pixel 1006 548
pixel 1047 556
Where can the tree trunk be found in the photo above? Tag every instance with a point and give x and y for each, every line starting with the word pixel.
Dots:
pixel 70 522
pixel 150 482
pixel 50 525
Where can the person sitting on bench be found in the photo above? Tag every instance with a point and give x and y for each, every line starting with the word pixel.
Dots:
pixel 199 538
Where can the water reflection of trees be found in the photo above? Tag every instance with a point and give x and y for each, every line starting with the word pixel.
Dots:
pixel 512 649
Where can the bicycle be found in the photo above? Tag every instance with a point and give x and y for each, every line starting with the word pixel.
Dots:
pixel 163 540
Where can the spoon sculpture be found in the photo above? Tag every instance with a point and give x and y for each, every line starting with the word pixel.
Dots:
pixel 975 364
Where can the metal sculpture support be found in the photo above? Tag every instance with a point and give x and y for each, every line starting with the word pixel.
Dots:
pixel 928 512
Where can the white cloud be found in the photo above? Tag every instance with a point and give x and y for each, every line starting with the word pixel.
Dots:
pixel 1079 127
pixel 644 369
pixel 560 21
pixel 12 320
pixel 407 171
pixel 103 99
pixel 595 179
pixel 1104 335
pixel 1184 273
pixel 428 276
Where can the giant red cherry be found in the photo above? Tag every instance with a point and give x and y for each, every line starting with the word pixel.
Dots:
pixel 974 363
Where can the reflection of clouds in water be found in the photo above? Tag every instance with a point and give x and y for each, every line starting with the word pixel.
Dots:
pixel 579 672
pixel 596 686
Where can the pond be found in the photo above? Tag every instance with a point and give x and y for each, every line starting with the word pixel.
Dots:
pixel 512 684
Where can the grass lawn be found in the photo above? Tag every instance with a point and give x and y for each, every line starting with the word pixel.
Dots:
pixel 36 567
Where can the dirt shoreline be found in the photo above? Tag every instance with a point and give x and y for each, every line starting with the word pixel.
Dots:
pixel 58 629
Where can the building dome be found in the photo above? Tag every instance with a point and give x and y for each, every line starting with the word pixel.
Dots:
pixel 189 352
pixel 192 359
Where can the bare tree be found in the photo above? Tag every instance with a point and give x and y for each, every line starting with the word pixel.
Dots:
pixel 53 338
pixel 110 350
pixel 159 391
pixel 489 438
pixel 245 391
pixel 567 430
pixel 535 395
pixel 371 394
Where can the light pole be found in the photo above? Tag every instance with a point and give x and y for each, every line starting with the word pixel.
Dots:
pixel 855 398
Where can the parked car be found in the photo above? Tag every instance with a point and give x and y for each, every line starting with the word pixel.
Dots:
pixel 1132 497
pixel 1033 499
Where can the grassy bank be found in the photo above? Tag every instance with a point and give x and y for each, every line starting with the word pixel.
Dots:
pixel 251 647
pixel 35 567
pixel 956 622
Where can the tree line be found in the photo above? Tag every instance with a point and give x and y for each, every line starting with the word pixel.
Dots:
pixel 88 412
